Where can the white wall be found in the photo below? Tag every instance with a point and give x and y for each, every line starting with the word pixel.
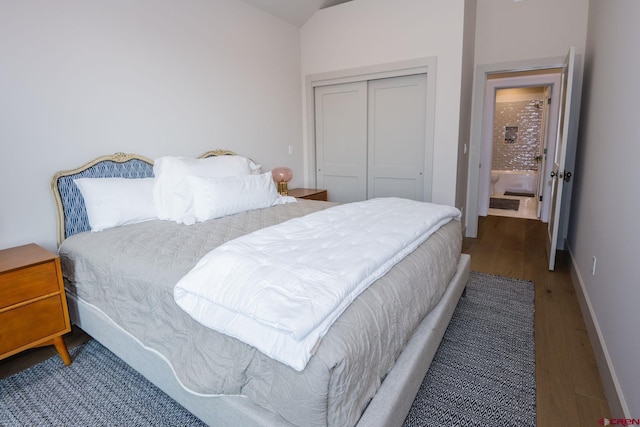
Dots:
pixel 371 32
pixel 82 79
pixel 604 220
pixel 513 31
pixel 466 96
pixel 519 94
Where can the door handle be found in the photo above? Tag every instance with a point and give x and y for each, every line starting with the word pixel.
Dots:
pixel 566 175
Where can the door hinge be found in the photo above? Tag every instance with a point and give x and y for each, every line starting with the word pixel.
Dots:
pixel 540 198
pixel 549 101
pixel 545 151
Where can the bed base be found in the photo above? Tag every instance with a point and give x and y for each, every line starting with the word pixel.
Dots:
pixel 389 407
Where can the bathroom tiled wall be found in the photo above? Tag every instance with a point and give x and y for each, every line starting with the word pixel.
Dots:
pixel 517 153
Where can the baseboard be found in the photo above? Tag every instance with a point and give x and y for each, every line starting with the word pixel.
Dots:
pixel 610 383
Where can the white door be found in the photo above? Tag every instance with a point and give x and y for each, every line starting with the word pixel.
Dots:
pixel 542 155
pixel 396 137
pixel 341 140
pixel 559 174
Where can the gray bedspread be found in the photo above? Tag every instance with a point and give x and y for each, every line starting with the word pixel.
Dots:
pixel 129 273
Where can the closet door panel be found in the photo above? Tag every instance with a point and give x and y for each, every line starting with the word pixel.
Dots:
pixel 341 140
pixel 396 187
pixel 396 136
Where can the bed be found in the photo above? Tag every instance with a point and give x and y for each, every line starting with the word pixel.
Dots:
pixel 366 370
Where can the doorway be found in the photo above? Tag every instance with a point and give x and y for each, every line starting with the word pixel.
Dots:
pixel 523 82
pixel 489 79
pixel 518 151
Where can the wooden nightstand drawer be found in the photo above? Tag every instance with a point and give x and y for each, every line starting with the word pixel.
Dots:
pixel 30 323
pixel 309 194
pixel 33 307
pixel 25 284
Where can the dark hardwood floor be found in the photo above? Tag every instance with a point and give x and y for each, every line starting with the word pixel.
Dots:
pixel 569 390
pixel 568 385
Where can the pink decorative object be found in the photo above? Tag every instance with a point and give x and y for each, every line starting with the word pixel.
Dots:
pixel 282 175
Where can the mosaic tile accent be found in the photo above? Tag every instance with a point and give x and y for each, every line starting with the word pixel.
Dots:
pixel 517 135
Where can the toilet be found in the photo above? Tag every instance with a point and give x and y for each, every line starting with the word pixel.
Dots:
pixel 494 178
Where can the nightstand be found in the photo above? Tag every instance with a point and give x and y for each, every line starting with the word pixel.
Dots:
pixel 33 306
pixel 309 194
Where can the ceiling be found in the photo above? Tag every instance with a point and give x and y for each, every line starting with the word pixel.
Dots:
pixel 296 12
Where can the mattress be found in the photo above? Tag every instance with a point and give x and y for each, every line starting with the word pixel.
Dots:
pixel 129 273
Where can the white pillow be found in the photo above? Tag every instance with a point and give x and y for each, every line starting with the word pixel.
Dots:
pixel 218 197
pixel 170 194
pixel 111 202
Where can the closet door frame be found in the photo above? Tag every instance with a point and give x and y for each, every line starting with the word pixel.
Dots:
pixel 396 69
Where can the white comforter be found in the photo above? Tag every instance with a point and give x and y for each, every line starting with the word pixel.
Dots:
pixel 281 288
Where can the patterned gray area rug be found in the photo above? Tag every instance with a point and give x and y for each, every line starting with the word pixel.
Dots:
pixel 483 374
pixel 97 389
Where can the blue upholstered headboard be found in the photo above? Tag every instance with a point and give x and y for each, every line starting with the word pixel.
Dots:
pixel 72 214
pixel 71 211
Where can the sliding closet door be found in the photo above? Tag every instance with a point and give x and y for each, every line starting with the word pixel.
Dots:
pixel 341 140
pixel 396 137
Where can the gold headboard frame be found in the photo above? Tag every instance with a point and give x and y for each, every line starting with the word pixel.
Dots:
pixel 215 153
